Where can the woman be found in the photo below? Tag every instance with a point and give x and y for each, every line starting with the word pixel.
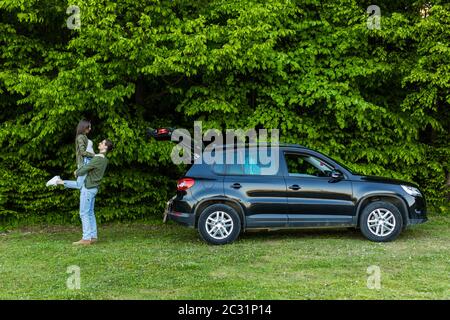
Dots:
pixel 84 154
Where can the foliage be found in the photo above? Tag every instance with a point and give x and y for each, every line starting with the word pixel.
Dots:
pixel 375 99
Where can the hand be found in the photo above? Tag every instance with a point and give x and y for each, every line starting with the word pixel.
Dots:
pixel 75 173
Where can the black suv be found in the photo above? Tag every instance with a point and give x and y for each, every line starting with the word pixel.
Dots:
pixel 308 190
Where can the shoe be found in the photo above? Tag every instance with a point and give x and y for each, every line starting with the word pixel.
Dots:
pixel 52 181
pixel 93 240
pixel 82 242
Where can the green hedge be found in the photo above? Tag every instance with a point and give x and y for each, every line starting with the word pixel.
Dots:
pixel 377 100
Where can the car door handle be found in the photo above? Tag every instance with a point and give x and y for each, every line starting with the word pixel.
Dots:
pixel 236 185
pixel 295 187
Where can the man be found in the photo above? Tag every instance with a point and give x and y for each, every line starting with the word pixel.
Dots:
pixel 95 171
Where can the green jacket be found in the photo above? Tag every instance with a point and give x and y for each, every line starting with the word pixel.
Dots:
pixel 81 143
pixel 94 170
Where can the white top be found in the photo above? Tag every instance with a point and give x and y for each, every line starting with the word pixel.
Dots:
pixel 89 147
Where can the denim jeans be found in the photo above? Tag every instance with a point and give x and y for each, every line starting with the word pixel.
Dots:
pixel 87 215
pixel 77 184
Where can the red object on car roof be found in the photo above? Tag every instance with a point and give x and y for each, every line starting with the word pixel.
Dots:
pixel 163 130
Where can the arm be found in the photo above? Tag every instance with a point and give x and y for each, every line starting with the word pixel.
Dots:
pixel 87 167
pixel 82 144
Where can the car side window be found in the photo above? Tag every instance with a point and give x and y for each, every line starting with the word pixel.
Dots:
pixel 218 164
pixel 219 168
pixel 301 165
pixel 235 169
pixel 250 166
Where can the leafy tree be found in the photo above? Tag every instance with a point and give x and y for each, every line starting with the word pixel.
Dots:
pixel 376 99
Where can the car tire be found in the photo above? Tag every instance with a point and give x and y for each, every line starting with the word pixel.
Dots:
pixel 381 221
pixel 219 224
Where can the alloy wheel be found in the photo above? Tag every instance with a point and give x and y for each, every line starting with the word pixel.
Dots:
pixel 381 222
pixel 219 225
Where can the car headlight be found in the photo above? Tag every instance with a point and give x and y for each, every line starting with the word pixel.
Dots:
pixel 411 190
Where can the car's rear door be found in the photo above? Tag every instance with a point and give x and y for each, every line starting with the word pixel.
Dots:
pixel 263 196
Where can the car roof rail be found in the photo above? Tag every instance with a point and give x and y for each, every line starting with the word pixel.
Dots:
pixel 246 145
pixel 165 133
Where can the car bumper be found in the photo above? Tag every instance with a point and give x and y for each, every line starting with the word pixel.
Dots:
pixel 418 221
pixel 186 219
pixel 417 210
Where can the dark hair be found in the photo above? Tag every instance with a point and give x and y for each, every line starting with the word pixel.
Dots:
pixel 109 144
pixel 82 126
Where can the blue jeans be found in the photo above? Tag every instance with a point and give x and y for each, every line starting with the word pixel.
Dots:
pixel 77 184
pixel 87 215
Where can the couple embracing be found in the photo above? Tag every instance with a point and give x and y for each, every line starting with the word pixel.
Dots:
pixel 90 170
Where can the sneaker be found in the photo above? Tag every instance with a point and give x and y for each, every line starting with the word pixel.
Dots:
pixel 82 242
pixel 52 181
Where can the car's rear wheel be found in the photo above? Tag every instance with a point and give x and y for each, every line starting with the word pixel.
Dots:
pixel 381 221
pixel 219 224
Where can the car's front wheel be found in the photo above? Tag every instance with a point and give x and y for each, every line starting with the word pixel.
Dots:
pixel 219 224
pixel 381 221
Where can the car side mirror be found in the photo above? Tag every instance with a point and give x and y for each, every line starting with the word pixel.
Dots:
pixel 336 175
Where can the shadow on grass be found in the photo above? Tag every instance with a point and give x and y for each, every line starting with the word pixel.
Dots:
pixel 293 234
pixel 324 233
pixel 414 233
pixel 174 233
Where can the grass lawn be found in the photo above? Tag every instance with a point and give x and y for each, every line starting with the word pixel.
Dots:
pixel 155 261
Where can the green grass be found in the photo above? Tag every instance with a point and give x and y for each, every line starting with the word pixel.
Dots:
pixel 155 261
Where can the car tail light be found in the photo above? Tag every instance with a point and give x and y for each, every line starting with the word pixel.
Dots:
pixel 184 184
pixel 163 131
